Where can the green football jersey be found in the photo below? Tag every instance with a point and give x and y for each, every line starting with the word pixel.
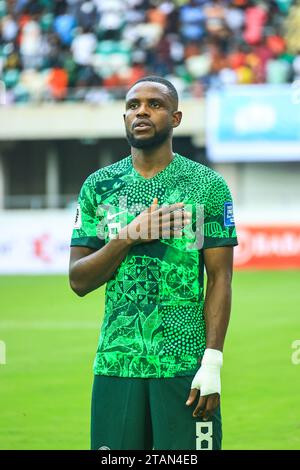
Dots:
pixel 153 323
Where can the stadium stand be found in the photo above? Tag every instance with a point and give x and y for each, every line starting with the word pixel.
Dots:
pixel 92 50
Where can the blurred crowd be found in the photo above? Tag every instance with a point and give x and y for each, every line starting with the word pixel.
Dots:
pixel 93 50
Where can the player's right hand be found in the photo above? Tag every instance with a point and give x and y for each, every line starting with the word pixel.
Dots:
pixel 158 222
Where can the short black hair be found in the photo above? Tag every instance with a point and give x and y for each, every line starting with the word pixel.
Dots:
pixel 156 79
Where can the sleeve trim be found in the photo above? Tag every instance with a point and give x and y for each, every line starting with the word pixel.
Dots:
pixel 90 242
pixel 218 242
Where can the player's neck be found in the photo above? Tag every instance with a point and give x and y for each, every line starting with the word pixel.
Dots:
pixel 149 161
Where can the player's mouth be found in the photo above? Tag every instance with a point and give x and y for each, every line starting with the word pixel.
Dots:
pixel 142 125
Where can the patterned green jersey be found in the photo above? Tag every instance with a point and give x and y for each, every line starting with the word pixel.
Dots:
pixel 153 323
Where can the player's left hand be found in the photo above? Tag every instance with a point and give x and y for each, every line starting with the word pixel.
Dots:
pixel 206 405
pixel 208 381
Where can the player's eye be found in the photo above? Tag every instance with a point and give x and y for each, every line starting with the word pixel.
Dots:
pixel 132 105
pixel 155 104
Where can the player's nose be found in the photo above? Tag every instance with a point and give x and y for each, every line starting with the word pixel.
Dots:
pixel 143 110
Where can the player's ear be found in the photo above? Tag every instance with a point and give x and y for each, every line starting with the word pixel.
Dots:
pixel 177 116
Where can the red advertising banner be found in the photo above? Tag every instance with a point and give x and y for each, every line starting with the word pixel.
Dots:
pixel 268 247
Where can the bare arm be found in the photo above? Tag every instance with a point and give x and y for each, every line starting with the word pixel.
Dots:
pixel 218 263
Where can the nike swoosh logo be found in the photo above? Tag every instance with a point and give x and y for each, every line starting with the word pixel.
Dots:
pixel 112 216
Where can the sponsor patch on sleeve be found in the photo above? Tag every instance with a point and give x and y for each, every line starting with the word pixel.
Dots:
pixel 228 214
pixel 78 222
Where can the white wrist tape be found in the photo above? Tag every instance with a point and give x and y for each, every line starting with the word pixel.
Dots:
pixel 208 379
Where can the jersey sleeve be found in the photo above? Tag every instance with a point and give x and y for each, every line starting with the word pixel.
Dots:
pixel 219 225
pixel 87 219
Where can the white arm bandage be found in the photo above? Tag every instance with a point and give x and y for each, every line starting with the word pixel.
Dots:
pixel 208 379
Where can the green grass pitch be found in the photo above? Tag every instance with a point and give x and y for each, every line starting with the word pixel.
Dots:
pixel 51 337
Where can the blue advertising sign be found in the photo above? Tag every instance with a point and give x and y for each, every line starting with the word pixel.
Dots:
pixel 253 123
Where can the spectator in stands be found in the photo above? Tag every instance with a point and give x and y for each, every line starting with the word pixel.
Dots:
pixel 255 21
pixel 30 43
pixel 63 26
pixel 58 83
pixel 83 46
